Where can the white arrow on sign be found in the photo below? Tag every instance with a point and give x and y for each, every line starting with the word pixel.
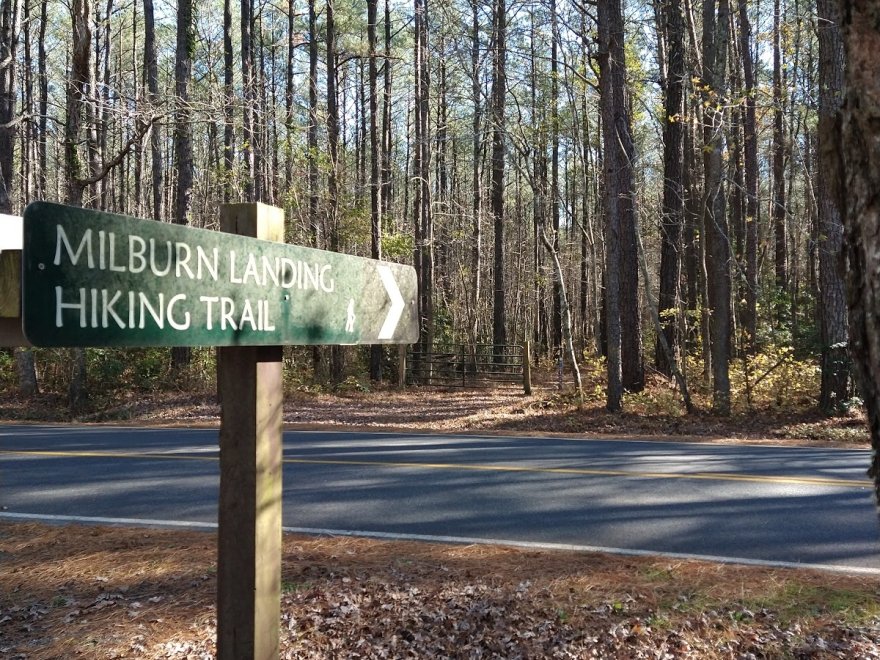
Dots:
pixel 397 305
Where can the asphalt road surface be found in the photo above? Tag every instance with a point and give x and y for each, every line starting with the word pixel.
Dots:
pixel 805 506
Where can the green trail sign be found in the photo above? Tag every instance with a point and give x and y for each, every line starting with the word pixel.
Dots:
pixel 99 279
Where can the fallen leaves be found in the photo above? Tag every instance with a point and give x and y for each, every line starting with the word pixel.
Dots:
pixel 354 598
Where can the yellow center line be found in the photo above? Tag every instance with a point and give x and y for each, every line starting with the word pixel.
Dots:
pixel 601 472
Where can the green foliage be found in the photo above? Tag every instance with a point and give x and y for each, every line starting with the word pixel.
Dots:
pixel 774 377
pixel 8 376
pixel 444 328
pixel 397 246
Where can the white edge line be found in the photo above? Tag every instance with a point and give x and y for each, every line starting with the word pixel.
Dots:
pixel 455 540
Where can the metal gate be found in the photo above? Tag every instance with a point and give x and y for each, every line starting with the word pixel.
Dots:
pixel 463 365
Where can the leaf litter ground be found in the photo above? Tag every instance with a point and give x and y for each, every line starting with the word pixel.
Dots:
pixel 112 592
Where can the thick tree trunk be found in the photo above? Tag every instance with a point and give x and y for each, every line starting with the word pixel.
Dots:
pixel 151 71
pixel 386 116
pixel 612 86
pixel 832 294
pixel 77 81
pixel 8 39
pixel 423 221
pixel 476 187
pixel 228 104
pixel 620 165
pixel 183 145
pixel 715 47
pixel 556 332
pixel 673 191
pixel 496 186
pixel 336 356
pixel 375 166
pixel 252 192
pixel 779 210
pixel 860 154
pixel 750 170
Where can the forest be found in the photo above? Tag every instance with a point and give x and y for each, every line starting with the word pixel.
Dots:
pixel 650 188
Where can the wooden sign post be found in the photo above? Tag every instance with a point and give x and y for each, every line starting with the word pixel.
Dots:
pixel 249 535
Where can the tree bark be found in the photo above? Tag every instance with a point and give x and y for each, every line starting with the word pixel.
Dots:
pixel 386 116
pixel 252 192
pixel 832 294
pixel 715 47
pixel 228 104
pixel 496 185
pixel 424 253
pixel 779 210
pixel 476 188
pixel 151 71
pixel 615 131
pixel 375 166
pixel 673 190
pixel 336 362
pixel 620 164
pixel 556 333
pixel 750 169
pixel 183 144
pixel 859 150
pixel 77 84
pixel 8 43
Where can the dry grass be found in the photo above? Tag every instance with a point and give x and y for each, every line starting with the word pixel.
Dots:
pixel 141 593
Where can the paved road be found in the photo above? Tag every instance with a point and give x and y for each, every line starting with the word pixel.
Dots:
pixel 768 504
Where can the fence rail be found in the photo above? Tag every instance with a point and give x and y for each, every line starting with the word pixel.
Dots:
pixel 468 366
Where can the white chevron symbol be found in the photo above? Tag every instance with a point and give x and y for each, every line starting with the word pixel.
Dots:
pixel 393 317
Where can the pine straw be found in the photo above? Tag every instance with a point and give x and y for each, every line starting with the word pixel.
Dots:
pixel 102 592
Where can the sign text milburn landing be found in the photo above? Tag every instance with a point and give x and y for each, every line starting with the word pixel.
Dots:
pixel 98 279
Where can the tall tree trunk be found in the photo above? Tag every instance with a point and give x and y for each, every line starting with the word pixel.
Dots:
pixel 336 362
pixel 750 168
pixel 832 294
pixel 779 209
pixel 228 104
pixel 314 220
pixel 385 196
pixel 77 85
pixel 43 84
pixel 151 71
pixel 476 188
pixel 631 357
pixel 715 49
pixel 618 180
pixel 673 191
pixel 558 285
pixel 859 150
pixel 183 146
pixel 421 173
pixel 496 185
pixel 252 192
pixel 319 367
pixel 8 44
pixel 375 165
pixel 289 91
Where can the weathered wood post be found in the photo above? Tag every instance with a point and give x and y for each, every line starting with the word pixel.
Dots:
pixel 527 367
pixel 249 535
pixel 401 366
